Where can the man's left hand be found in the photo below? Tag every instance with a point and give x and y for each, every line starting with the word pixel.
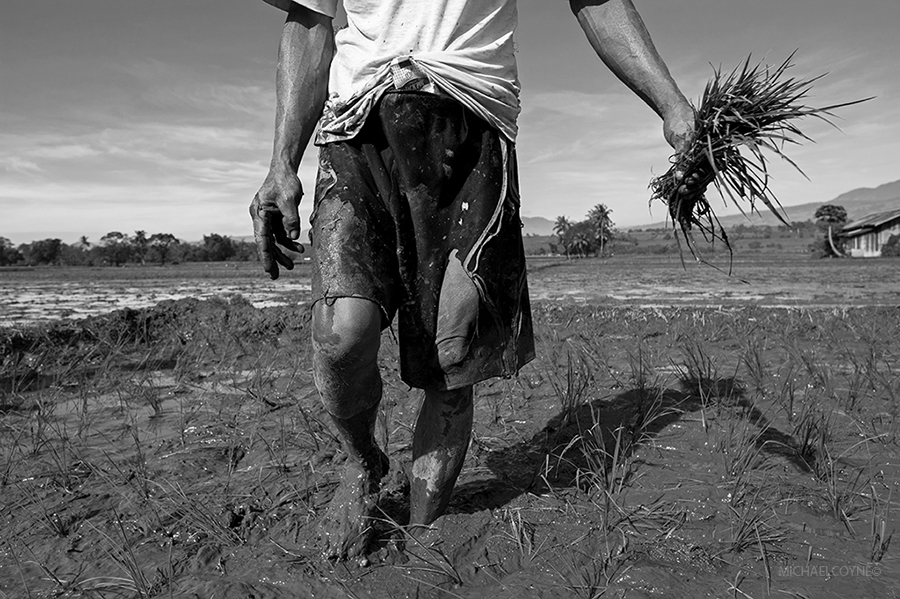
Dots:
pixel 678 128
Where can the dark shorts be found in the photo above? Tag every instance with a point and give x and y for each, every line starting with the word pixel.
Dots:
pixel 427 182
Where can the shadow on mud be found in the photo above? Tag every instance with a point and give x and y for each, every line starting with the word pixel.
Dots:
pixel 595 435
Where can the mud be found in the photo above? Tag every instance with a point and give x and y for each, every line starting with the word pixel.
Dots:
pixel 775 280
pixel 717 451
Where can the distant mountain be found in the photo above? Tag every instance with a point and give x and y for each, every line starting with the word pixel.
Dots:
pixel 536 225
pixel 884 197
pixel 857 203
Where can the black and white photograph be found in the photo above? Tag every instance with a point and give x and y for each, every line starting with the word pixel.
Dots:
pixel 634 334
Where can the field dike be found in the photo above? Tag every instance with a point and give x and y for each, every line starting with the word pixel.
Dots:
pixel 181 451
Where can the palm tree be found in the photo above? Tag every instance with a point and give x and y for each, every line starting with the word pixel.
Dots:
pixel 560 228
pixel 601 223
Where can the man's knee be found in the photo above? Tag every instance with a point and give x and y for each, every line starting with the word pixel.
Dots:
pixel 346 334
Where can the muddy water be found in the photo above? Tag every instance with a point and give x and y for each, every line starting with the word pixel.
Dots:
pixel 50 294
pixel 648 281
pixel 771 280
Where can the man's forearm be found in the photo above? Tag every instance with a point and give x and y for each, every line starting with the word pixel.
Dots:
pixel 304 58
pixel 617 33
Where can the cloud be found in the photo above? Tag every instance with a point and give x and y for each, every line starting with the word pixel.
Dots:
pixel 184 89
pixel 18 165
pixel 63 152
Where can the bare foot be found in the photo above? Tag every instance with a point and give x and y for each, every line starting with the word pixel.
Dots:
pixel 346 527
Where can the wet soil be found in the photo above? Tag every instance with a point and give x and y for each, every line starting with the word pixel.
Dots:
pixel 725 449
pixel 769 279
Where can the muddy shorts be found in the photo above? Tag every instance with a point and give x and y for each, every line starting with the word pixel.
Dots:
pixel 419 213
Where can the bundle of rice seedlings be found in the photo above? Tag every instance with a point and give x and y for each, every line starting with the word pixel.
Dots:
pixel 741 115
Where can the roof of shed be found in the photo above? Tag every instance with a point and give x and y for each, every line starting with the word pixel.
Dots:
pixel 870 221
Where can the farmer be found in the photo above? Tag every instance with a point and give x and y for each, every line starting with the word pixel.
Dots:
pixel 416 214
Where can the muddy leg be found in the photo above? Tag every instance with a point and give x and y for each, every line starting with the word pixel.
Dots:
pixel 346 336
pixel 443 430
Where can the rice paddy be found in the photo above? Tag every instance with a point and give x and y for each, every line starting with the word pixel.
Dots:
pixel 681 434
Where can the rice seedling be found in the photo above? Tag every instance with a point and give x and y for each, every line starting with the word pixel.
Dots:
pixel 740 448
pixel 58 526
pixel 647 411
pixel 197 517
pixel 764 556
pixel 661 517
pixel 641 369
pixel 734 587
pixel 698 372
pixel 54 444
pixel 842 496
pixel 571 389
pixel 121 553
pixel 21 572
pixel 742 116
pixel 141 469
pixel 786 392
pixel 430 556
pixel 753 526
pixel 881 539
pixel 812 433
pixel 855 387
pixel 755 366
pixel 590 568
pixel 607 470
pixel 521 533
pixel 62 585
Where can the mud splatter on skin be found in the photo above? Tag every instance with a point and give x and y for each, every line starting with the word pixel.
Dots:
pixel 442 436
pixel 323 329
pixel 425 470
pixel 345 345
pixel 346 528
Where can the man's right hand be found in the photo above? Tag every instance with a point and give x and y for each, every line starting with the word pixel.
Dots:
pixel 276 220
pixel 301 86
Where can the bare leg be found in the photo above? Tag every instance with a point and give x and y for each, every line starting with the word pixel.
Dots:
pixel 443 431
pixel 346 336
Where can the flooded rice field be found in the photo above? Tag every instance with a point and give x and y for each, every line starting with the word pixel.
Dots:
pixel 680 434
pixel 771 280
pixel 36 295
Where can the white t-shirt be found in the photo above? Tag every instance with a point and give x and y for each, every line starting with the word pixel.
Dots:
pixel 464 48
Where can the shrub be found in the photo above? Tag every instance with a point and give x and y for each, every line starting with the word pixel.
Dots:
pixel 891 248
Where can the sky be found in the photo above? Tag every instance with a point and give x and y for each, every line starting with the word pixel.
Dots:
pixel 158 116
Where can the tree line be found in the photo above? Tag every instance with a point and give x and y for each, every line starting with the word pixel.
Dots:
pixel 584 238
pixel 117 249
pixel 594 235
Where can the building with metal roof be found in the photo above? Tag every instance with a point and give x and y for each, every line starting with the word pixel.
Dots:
pixel 864 237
